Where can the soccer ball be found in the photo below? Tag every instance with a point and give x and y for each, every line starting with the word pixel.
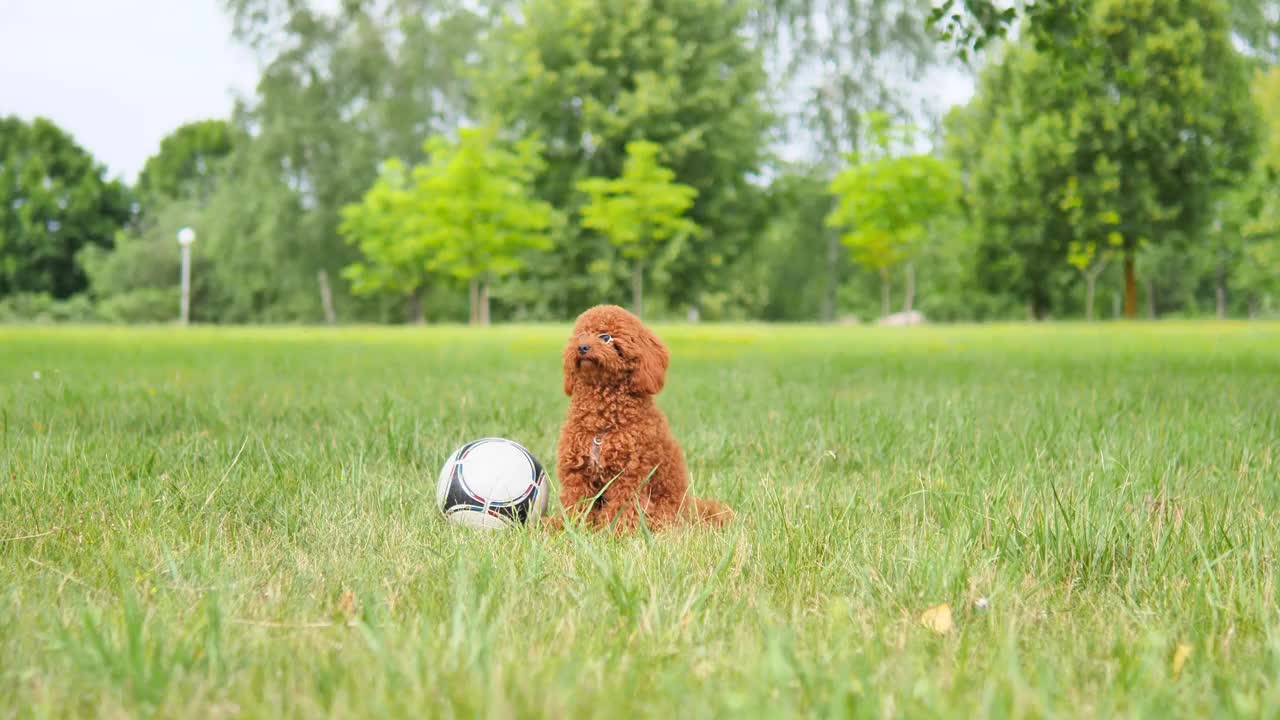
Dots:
pixel 492 483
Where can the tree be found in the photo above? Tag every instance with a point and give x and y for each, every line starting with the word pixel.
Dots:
pixel 54 200
pixel 1256 25
pixel 1167 106
pixel 1135 144
pixel 468 214
pixel 836 61
pixel 1249 233
pixel 140 271
pixel 1091 260
pixel 791 261
pixel 187 166
pixel 589 76
pixel 1011 142
pixel 344 86
pixel 1094 237
pixel 887 203
pixel 1054 25
pixel 136 280
pixel 639 211
pixel 833 62
pixel 479 209
pixel 381 226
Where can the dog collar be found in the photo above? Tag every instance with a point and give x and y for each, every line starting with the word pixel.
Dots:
pixel 596 442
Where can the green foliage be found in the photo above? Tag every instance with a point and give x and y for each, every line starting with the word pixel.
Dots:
pixel 146 256
pixel 640 211
pixel 1014 151
pixel 381 225
pixel 831 63
pixel 188 164
pixel 588 77
pixel 642 208
pixel 341 89
pixel 44 308
pixel 145 305
pixel 1137 143
pixel 54 200
pixel 797 264
pixel 1255 24
pixel 476 204
pixel 1055 27
pixel 466 213
pixel 834 61
pixel 136 280
pixel 1181 102
pixel 1266 93
pixel 973 24
pixel 887 202
pixel 1249 242
pixel 1105 130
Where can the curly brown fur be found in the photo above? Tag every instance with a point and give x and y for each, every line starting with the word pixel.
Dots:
pixel 617 458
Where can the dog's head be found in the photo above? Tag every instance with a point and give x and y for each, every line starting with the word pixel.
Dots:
pixel 610 347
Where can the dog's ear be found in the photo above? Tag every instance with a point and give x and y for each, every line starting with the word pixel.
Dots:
pixel 652 359
pixel 570 370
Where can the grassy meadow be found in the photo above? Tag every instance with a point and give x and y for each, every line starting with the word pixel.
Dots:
pixel 241 523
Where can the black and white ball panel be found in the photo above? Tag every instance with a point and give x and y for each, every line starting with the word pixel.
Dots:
pixel 491 482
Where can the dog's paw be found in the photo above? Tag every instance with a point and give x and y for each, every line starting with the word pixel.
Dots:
pixel 551 523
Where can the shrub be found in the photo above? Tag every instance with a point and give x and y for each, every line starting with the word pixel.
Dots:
pixel 44 308
pixel 146 305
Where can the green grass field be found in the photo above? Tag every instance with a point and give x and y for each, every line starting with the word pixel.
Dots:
pixel 240 523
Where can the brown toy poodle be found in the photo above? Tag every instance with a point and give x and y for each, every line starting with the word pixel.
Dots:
pixel 617 459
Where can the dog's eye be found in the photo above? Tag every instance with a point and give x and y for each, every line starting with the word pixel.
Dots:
pixel 606 338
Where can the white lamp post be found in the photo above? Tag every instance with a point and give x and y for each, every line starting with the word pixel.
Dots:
pixel 186 236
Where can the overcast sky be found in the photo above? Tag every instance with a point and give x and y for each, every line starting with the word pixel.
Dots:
pixel 119 75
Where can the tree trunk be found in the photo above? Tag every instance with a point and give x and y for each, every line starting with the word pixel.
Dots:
pixel 637 290
pixel 911 288
pixel 1090 282
pixel 474 290
pixel 1130 287
pixel 326 297
pixel 416 315
pixel 1222 291
pixel 1115 305
pixel 833 278
pixel 484 302
pixel 1151 299
pixel 884 292
pixel 1037 305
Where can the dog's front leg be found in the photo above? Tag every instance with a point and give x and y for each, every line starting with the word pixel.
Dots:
pixel 627 500
pixel 575 496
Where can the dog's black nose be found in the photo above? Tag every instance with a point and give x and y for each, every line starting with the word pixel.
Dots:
pixel 584 349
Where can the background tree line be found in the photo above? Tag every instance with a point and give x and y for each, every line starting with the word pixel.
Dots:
pixel 440 160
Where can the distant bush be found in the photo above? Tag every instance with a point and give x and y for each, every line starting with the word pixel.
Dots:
pixel 44 308
pixel 146 305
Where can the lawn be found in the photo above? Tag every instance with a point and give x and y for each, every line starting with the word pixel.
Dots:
pixel 240 523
